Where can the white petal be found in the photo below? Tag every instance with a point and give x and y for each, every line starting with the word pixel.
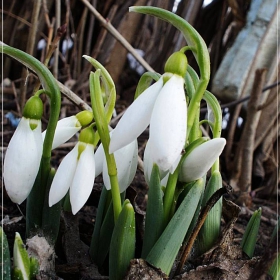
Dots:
pixel 65 129
pixel 136 118
pixel 200 160
pixel 148 164
pixel 83 180
pixel 169 123
pixel 134 163
pixel 63 177
pixel 22 160
pixel 99 159
pixel 126 160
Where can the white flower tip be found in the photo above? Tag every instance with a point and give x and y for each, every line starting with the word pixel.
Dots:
pixel 16 198
pixel 200 160
pixel 221 141
pixel 75 209
pixel 50 202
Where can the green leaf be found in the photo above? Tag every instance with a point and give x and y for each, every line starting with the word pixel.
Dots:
pixel 215 107
pixel 181 197
pixel 249 239
pixel 5 256
pixel 154 213
pixel 122 245
pixel 106 232
pixel 109 84
pixel 210 230
pixel 164 252
pixel 21 258
pixel 274 270
pixel 51 215
pixel 193 76
pixel 34 267
pixel 17 274
pixel 101 210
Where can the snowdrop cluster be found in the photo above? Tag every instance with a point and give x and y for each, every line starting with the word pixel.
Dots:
pixel 162 106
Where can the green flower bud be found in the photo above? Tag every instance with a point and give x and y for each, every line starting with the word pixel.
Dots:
pixel 85 118
pixel 33 108
pixel 177 64
pixel 87 135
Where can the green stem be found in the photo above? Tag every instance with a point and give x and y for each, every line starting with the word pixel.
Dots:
pixel 35 201
pixel 103 130
pixel 195 104
pixel 168 198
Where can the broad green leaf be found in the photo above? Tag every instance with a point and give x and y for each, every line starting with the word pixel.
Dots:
pixel 122 245
pixel 164 252
pixel 5 256
pixel 21 258
pixel 154 213
pixel 210 230
pixel 249 239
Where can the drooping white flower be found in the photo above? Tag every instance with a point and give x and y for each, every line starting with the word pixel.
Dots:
pixel 164 108
pixel 200 160
pixel 168 123
pixel 77 172
pixel 136 118
pixel 22 159
pixel 126 161
pixel 67 127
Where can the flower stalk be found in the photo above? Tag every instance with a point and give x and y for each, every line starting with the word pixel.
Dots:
pixel 103 130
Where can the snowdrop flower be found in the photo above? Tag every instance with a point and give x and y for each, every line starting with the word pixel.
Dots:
pixel 23 155
pixel 163 106
pixel 126 160
pixel 67 127
pixel 200 160
pixel 76 172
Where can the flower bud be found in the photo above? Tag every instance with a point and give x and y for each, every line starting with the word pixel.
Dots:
pixel 200 160
pixel 87 135
pixel 84 117
pixel 177 64
pixel 33 108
